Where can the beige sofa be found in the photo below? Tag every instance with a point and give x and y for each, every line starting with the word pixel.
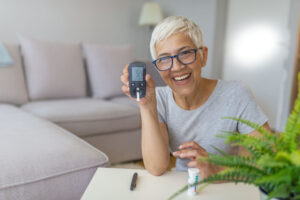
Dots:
pixel 40 160
pixel 58 124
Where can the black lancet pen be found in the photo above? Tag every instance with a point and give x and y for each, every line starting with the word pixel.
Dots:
pixel 133 181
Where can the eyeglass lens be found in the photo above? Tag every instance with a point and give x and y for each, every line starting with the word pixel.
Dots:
pixel 185 57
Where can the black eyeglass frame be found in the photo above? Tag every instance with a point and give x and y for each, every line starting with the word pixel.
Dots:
pixel 176 56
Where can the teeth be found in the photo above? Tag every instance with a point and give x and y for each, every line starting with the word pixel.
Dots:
pixel 181 77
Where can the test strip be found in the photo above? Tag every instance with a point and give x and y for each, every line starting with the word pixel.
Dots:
pixel 138 96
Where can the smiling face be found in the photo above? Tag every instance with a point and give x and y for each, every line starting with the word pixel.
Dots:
pixel 182 79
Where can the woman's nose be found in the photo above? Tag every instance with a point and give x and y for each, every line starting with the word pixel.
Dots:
pixel 177 66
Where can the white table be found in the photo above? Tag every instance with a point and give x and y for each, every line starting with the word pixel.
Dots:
pixel 114 183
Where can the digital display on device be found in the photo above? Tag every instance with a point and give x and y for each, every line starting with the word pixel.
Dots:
pixel 137 74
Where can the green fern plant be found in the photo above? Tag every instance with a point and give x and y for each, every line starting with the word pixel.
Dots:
pixel 274 163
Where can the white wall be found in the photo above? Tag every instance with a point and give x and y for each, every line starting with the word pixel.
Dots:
pixel 265 77
pixel 102 21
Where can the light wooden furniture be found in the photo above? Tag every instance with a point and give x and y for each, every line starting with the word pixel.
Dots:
pixel 296 70
pixel 114 183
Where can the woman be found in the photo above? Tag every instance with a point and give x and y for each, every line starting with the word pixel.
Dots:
pixel 185 116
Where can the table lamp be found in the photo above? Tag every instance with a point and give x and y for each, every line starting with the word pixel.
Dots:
pixel 151 15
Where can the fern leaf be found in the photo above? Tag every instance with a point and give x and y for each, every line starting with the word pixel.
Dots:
pixel 220 151
pixel 238 162
pixel 234 175
pixel 268 136
pixel 269 162
pixel 254 152
pixel 286 177
pixel 184 188
pixel 290 158
pixel 281 192
pixel 295 157
pixel 283 176
pixel 255 126
pixel 257 144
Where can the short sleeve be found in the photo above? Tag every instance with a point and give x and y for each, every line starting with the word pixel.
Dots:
pixel 250 111
pixel 161 97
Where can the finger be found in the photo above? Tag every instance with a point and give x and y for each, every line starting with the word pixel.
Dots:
pixel 205 169
pixel 125 69
pixel 143 101
pixel 124 79
pixel 150 82
pixel 125 89
pixel 195 164
pixel 187 153
pixel 191 144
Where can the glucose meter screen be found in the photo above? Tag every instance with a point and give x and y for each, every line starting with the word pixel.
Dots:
pixel 137 74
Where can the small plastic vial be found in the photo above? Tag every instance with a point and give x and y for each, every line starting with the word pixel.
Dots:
pixel 193 178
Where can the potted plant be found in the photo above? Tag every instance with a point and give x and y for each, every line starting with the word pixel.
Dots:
pixel 273 164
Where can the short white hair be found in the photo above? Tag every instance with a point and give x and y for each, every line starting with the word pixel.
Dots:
pixel 172 25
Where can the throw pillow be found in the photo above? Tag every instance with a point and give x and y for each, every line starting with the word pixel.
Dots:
pixel 105 65
pixel 53 70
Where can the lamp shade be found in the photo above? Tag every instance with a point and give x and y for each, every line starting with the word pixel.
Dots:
pixel 151 14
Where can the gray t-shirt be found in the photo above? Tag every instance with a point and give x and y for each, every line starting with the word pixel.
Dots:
pixel 229 99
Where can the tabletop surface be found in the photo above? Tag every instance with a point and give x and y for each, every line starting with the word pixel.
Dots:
pixel 114 183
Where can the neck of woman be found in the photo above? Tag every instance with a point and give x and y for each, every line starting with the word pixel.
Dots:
pixel 198 97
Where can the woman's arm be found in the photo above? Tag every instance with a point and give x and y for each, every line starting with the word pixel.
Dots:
pixel 155 142
pixel 192 151
pixel 242 150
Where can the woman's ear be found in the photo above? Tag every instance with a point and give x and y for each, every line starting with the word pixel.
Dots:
pixel 204 55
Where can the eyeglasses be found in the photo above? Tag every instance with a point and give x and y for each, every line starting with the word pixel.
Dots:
pixel 186 57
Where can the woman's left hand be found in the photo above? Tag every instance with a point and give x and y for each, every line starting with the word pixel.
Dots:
pixel 192 151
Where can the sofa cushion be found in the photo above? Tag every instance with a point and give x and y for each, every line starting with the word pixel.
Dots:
pixel 40 160
pixel 53 70
pixel 12 81
pixel 87 116
pixel 105 65
pixel 125 100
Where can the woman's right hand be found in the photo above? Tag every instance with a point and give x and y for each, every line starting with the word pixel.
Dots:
pixel 150 99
